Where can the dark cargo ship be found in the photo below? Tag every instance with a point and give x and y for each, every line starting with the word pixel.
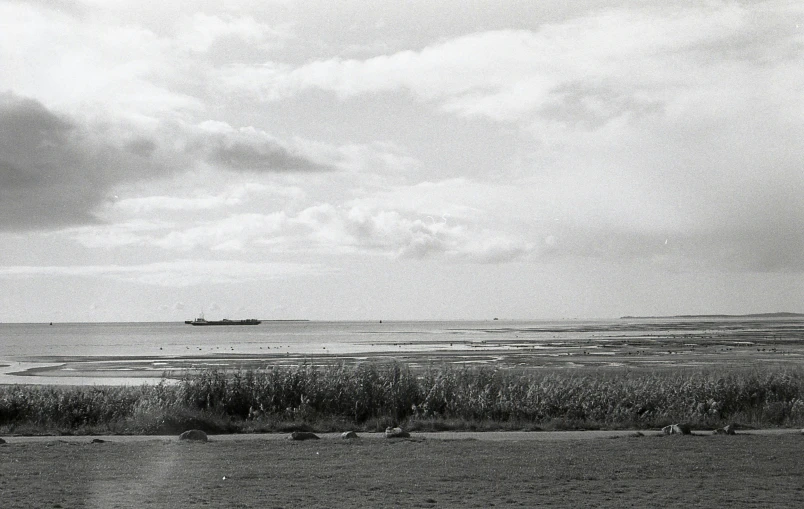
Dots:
pixel 225 321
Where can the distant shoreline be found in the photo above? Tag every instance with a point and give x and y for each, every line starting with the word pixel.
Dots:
pixel 755 315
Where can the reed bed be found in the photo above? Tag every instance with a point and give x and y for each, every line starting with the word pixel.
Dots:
pixel 372 396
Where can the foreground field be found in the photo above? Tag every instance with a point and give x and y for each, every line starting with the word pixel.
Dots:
pixel 685 471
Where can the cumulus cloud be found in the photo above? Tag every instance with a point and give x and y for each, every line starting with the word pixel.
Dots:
pixel 466 220
pixel 592 68
pixel 403 234
pixel 359 227
pixel 55 170
pixel 52 172
pixel 250 149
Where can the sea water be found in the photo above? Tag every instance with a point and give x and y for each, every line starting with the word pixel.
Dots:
pixel 53 352
pixel 294 337
pixel 27 347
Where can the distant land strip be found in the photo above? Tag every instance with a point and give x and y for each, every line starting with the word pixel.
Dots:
pixel 756 315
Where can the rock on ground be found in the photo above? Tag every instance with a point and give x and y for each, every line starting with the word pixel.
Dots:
pixel 195 435
pixel 2 441
pixel 303 435
pixel 726 430
pixel 677 429
pixel 349 434
pixel 396 433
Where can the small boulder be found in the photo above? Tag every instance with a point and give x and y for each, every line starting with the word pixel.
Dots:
pixel 726 430
pixel 195 435
pixel 98 441
pixel 396 433
pixel 677 429
pixel 349 435
pixel 303 435
pixel 2 441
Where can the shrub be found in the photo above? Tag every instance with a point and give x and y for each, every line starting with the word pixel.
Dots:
pixel 373 396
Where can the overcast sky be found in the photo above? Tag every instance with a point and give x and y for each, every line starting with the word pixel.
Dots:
pixel 399 160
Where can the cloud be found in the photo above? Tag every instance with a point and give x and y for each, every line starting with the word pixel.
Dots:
pixel 202 31
pixel 360 226
pixel 619 129
pixel 229 234
pixel 177 273
pixel 70 6
pixel 744 219
pixel 56 169
pixel 52 173
pixel 233 232
pixel 223 194
pixel 406 235
pixel 250 149
pixel 591 69
pixel 91 64
pixel 149 204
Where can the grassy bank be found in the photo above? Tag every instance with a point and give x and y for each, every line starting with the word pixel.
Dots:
pixel 371 397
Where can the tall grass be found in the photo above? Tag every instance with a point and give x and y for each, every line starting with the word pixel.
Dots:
pixel 371 396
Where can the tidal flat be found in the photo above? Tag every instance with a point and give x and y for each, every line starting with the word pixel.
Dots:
pixel 616 374
pixel 118 354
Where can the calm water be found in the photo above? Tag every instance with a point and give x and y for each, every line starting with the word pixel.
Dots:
pixel 171 339
pixel 158 339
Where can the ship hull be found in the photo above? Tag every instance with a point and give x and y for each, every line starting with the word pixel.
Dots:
pixel 202 323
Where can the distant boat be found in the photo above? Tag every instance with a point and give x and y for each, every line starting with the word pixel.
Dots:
pixel 225 321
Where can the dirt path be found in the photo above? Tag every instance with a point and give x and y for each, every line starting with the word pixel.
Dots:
pixel 753 470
